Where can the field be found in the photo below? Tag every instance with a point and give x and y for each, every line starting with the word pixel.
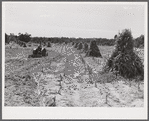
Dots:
pixel 63 79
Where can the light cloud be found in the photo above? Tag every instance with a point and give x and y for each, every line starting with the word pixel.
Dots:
pixel 74 19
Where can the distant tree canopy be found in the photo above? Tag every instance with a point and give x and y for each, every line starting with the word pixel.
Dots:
pixel 138 42
pixel 24 37
pixel 105 42
pixel 12 37
pixel 6 38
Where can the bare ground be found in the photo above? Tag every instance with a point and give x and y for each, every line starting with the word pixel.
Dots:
pixel 43 82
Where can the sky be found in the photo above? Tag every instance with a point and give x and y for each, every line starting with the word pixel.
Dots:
pixel 73 19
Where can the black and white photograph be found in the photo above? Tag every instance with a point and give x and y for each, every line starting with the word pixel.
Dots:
pixel 70 57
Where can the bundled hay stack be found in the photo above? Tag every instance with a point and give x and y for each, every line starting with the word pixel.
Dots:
pixel 85 49
pixel 73 43
pixel 76 45
pixel 124 61
pixel 39 52
pixel 66 43
pixel 24 45
pixel 49 44
pixel 44 52
pixel 94 50
pixel 80 46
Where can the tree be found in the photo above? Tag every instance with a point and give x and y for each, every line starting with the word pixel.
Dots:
pixel 49 39
pixel 6 38
pixel 24 37
pixel 123 60
pixel 94 50
pixel 12 37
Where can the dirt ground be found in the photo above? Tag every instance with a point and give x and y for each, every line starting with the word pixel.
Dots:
pixel 56 81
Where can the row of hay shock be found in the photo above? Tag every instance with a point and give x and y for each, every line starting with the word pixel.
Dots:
pixel 93 51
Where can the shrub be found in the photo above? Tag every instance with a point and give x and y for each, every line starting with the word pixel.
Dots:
pixel 124 61
pixel 12 38
pixel 94 50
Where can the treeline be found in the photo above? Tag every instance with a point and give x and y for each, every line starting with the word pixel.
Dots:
pixel 100 41
pixel 20 37
pixel 138 42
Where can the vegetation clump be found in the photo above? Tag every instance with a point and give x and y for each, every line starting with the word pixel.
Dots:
pixel 24 37
pixel 124 61
pixel 94 50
